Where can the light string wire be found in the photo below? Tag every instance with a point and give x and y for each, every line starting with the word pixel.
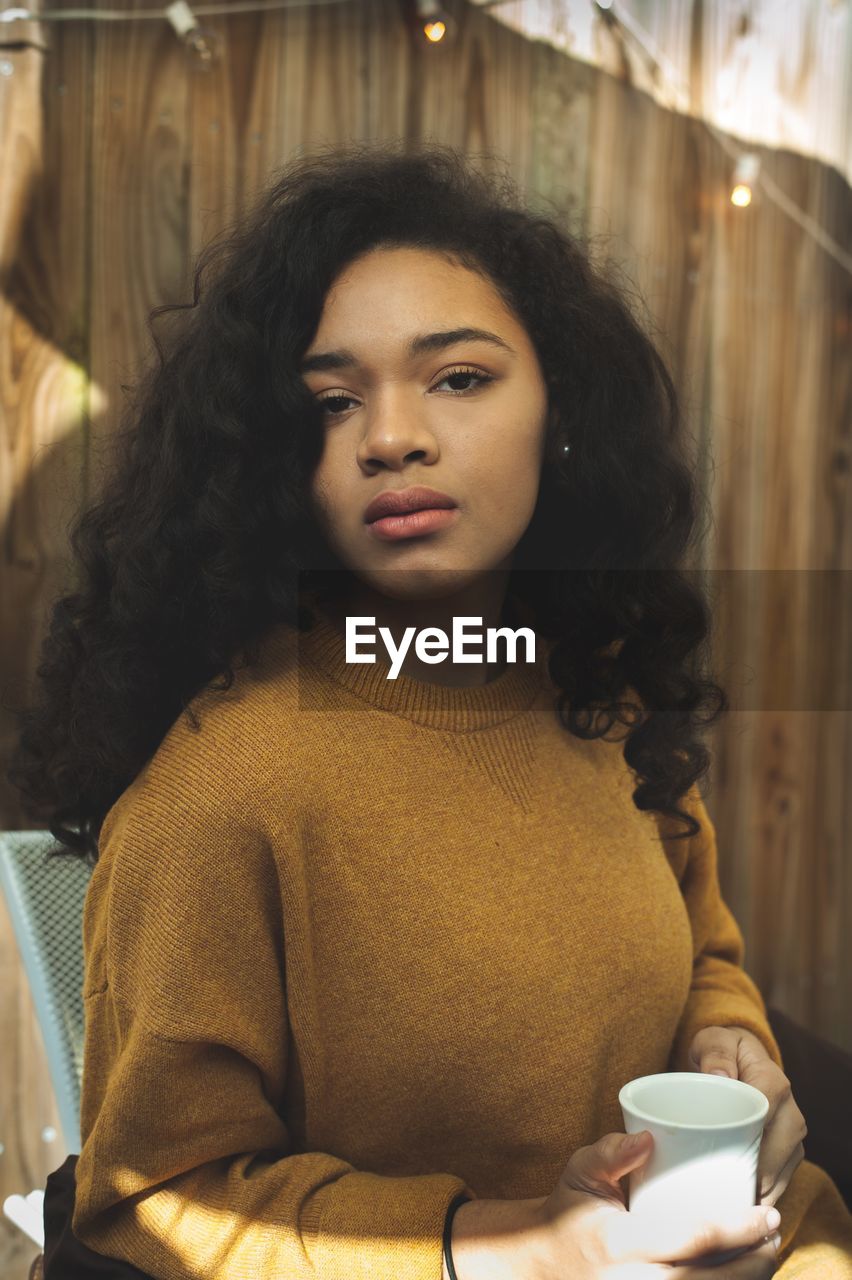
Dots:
pixel 671 80
pixel 131 15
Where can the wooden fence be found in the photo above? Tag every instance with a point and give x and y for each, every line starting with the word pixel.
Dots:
pixel 121 160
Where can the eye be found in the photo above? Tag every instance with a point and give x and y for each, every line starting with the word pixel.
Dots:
pixel 481 378
pixel 326 400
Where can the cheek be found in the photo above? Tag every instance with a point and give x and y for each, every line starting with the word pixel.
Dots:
pixel 322 483
pixel 325 482
pixel 331 504
pixel 512 480
pixel 321 499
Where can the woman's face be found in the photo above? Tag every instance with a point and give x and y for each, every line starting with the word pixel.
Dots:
pixel 467 418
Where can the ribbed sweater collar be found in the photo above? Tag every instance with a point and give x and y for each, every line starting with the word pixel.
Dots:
pixel 323 649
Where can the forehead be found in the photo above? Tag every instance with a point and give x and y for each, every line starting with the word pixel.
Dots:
pixel 407 303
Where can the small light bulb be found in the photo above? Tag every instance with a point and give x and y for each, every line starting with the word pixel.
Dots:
pixel 745 177
pixel 203 42
pixel 435 24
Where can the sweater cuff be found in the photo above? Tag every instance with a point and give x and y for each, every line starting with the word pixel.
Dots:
pixel 367 1226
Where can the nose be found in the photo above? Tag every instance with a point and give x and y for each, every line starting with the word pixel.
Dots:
pixel 392 444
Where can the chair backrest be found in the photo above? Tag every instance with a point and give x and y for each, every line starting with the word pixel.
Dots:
pixel 45 901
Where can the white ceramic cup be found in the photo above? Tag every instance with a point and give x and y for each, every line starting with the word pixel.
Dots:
pixel 707 1132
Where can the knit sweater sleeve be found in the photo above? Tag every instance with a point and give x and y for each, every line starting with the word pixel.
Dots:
pixel 188 1168
pixel 721 992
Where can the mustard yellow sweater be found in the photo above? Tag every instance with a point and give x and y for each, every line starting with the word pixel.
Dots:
pixel 359 944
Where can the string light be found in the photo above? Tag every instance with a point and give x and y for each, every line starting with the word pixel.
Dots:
pixel 156 15
pixel 436 27
pixel 434 22
pixel 746 171
pixel 672 81
pixel 203 44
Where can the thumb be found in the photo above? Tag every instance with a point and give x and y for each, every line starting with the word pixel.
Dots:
pixel 633 1149
pixel 621 1152
pixel 603 1164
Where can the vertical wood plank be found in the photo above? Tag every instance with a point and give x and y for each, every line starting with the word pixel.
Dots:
pixel 43 415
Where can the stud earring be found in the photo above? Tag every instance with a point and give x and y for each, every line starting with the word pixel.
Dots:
pixel 565 448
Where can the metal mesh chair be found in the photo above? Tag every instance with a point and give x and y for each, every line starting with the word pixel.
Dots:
pixel 45 903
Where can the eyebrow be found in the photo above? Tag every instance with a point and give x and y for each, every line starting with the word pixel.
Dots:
pixel 419 344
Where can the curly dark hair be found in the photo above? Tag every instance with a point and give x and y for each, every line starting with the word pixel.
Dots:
pixel 210 468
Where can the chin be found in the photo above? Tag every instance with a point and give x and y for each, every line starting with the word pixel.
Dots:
pixel 421 584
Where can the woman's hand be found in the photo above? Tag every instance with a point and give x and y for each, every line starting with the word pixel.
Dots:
pixel 738 1054
pixel 757 1264
pixel 583 1230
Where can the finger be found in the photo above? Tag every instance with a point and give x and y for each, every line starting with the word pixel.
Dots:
pixel 782 1182
pixel 757 1264
pixel 650 1237
pixel 767 1077
pixel 715 1048
pixel 780 1140
pixel 718 1063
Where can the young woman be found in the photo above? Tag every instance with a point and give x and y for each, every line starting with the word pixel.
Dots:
pixel 376 932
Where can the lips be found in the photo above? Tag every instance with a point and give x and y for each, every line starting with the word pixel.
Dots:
pixel 394 502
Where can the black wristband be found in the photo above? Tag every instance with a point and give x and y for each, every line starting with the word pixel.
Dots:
pixel 460 1199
